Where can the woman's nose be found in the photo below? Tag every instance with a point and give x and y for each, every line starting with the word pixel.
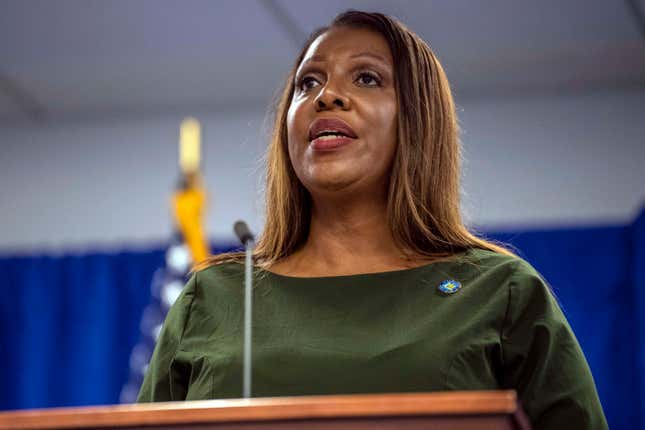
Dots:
pixel 329 98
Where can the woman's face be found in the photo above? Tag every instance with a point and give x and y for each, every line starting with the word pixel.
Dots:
pixel 342 118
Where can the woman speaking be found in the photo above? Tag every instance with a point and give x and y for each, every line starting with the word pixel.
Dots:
pixel 366 279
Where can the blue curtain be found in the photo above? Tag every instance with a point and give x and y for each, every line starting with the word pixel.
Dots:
pixel 68 324
pixel 637 268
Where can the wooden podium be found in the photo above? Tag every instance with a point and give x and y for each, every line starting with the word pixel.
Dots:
pixel 456 410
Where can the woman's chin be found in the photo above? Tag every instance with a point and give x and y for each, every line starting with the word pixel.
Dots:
pixel 336 176
pixel 327 185
pixel 332 184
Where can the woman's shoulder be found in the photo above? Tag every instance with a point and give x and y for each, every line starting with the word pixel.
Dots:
pixel 217 280
pixel 486 260
pixel 503 272
pixel 206 289
pixel 228 271
pixel 524 285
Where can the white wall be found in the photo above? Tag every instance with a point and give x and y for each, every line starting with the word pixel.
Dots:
pixel 556 160
pixel 110 182
pixel 530 162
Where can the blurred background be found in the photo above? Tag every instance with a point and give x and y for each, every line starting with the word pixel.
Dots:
pixel 551 101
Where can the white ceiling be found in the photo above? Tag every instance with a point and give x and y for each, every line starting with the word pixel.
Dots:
pixel 89 58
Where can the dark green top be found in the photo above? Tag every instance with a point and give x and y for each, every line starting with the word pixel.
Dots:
pixel 379 332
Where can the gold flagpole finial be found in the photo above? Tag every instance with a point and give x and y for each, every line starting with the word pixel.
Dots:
pixel 189 146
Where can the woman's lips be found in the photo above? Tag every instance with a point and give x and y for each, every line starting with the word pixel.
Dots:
pixel 324 143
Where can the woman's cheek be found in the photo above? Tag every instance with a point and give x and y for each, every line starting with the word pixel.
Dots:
pixel 295 122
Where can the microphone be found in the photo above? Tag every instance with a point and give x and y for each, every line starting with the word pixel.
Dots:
pixel 244 234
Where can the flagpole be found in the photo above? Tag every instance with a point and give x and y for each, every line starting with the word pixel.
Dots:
pixel 190 198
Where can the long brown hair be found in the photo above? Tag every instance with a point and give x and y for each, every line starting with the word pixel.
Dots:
pixel 423 197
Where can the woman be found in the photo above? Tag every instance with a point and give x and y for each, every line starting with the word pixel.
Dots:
pixel 366 278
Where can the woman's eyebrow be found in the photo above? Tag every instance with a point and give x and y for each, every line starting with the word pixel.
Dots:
pixel 314 59
pixel 320 58
pixel 371 54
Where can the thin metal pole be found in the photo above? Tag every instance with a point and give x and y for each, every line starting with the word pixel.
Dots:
pixel 248 273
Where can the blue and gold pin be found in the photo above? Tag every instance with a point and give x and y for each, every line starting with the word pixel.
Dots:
pixel 449 286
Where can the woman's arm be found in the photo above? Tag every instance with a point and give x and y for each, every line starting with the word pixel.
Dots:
pixel 543 360
pixel 161 383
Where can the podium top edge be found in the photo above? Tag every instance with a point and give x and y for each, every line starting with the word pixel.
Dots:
pixel 266 409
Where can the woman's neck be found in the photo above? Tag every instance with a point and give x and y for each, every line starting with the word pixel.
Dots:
pixel 345 239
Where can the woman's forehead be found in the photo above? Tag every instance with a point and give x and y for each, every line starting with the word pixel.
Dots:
pixel 348 42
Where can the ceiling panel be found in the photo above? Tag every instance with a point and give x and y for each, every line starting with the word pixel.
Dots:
pixel 92 57
pixel 95 56
pixel 507 46
pixel 8 108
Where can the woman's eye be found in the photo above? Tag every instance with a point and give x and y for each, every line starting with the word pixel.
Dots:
pixel 307 83
pixel 368 79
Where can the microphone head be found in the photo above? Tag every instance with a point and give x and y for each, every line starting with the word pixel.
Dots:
pixel 242 232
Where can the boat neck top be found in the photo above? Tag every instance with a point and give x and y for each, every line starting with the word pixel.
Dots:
pixel 456 259
pixel 482 321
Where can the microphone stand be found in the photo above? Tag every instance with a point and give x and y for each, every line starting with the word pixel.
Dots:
pixel 244 234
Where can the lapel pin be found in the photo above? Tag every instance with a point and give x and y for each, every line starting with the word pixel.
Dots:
pixel 449 286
